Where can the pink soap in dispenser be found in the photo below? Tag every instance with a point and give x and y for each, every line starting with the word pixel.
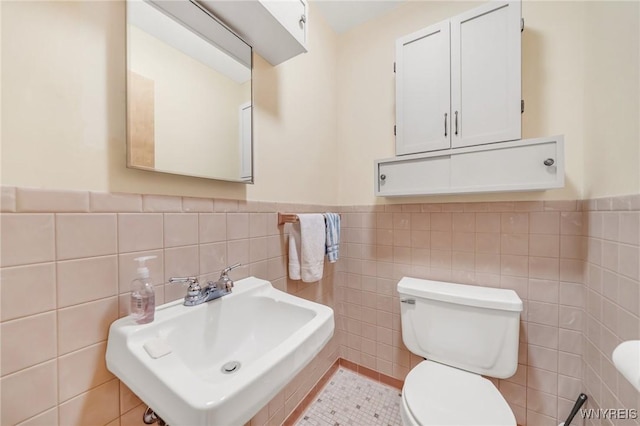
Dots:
pixel 143 297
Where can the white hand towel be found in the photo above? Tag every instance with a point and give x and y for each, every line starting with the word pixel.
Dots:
pixel 313 234
pixel 294 251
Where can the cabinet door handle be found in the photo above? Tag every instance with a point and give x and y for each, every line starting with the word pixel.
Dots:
pixel 456 123
pixel 445 124
pixel 549 162
pixel 303 19
pixel 383 177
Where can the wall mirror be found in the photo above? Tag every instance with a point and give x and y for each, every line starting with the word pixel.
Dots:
pixel 188 93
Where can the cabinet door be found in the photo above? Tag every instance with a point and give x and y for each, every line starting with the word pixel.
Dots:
pixel 515 167
pixel 413 176
pixel 422 91
pixel 485 74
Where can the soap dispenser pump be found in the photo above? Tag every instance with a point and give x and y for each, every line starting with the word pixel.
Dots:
pixel 143 297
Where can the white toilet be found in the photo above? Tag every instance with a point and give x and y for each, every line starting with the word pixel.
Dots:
pixel 463 332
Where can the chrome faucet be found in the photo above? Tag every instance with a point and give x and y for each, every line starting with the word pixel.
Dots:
pixel 214 290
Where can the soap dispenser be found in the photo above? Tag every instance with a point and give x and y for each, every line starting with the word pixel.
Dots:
pixel 143 297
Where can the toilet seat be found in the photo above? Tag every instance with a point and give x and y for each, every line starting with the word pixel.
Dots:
pixel 436 394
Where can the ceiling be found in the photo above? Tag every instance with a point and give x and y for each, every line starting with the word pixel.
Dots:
pixel 342 15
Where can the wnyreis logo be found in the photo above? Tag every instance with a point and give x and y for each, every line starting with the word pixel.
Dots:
pixel 609 413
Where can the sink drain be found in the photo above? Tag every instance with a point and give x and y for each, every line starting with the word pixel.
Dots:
pixel 230 367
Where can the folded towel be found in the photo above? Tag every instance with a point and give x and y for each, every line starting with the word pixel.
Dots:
pixel 294 251
pixel 306 248
pixel 332 244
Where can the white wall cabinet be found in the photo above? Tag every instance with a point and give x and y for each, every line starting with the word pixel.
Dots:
pixel 276 29
pixel 534 164
pixel 458 82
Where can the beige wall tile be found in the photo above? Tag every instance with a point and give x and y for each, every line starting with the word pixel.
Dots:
pixel 464 241
pixel 561 205
pixel 114 203
pixel 542 335
pixel 258 225
pixel 18 283
pixel 197 205
pixel 419 221
pixel 238 251
pixel 26 238
pixel 610 225
pixel 514 223
pixel 542 313
pixel 572 294
pixel 180 229
pixel 544 358
pixel 86 280
pixel 7 199
pixel 98 406
pixel 571 223
pixel 87 324
pixel 222 206
pixel 570 365
pixel 441 222
pixel 629 228
pixel 573 247
pixel 237 226
pixel 544 245
pixel 571 270
pixel 629 258
pixel 181 262
pixel 213 257
pixel 28 392
pixel 82 370
pixel 51 201
pixel 27 341
pixel 545 268
pixel 488 222
pixel 515 244
pixel 85 235
pixel 212 227
pixel 161 204
pixel 545 223
pixel 257 249
pixel 140 231
pixel 514 265
pixel 464 222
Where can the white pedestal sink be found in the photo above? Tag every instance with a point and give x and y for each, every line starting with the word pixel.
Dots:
pixel 271 334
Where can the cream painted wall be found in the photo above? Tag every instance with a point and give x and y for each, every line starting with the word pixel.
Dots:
pixel 552 48
pixel 612 101
pixel 322 117
pixel 63 110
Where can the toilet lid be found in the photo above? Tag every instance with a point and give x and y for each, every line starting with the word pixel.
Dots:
pixel 437 394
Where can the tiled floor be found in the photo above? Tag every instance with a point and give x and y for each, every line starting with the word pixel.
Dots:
pixel 351 399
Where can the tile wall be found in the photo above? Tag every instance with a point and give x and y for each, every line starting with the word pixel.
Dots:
pixel 612 300
pixel 534 248
pixel 75 250
pixel 66 263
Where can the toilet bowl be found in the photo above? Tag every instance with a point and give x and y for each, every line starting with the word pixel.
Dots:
pixel 464 332
pixel 435 394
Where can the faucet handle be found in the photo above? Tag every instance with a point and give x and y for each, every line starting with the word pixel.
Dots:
pixel 226 270
pixel 194 287
pixel 225 282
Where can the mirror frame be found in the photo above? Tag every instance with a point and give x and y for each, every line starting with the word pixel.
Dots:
pixel 207 26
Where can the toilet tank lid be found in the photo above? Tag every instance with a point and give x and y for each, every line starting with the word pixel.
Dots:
pixel 482 297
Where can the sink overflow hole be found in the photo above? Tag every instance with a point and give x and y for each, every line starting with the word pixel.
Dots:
pixel 230 367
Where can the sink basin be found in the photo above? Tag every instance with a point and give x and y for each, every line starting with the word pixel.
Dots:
pixel 175 364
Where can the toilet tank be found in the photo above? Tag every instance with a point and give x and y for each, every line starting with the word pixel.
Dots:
pixel 468 327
